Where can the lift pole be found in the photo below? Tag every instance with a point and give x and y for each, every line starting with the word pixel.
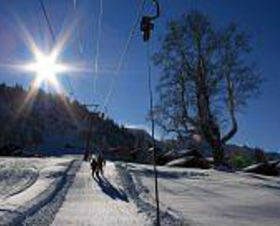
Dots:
pixel 147 27
pixel 87 152
pixel 154 149
pixel 88 139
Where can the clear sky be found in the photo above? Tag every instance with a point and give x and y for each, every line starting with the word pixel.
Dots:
pixel 128 105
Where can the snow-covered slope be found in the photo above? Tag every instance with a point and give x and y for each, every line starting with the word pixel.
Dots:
pixel 26 184
pixel 212 198
pixel 16 177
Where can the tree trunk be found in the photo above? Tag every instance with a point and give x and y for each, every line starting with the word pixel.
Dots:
pixel 216 144
pixel 208 128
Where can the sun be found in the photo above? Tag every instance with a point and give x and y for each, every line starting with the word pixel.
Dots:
pixel 46 68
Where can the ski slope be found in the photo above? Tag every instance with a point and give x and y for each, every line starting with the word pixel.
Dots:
pixel 98 202
pixel 15 177
pixel 209 197
pixel 125 195
pixel 26 184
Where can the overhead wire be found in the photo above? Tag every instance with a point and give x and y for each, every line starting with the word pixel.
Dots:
pixel 50 27
pixel 99 31
pixel 88 150
pixel 47 20
pixel 122 56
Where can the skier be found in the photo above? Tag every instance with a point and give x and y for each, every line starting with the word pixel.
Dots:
pixel 100 163
pixel 94 167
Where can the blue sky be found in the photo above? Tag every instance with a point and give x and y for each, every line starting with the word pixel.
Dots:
pixel 259 123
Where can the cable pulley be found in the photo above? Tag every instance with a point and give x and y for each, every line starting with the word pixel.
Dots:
pixel 147 25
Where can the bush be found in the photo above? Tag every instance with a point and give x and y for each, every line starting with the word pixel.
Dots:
pixel 240 160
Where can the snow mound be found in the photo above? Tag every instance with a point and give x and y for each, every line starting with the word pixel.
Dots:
pixel 15 177
pixel 28 184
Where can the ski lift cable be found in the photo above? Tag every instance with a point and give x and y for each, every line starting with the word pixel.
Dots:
pixel 122 56
pixel 79 41
pixel 97 56
pixel 47 19
pixel 54 40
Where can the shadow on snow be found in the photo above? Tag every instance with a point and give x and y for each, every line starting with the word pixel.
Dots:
pixel 110 190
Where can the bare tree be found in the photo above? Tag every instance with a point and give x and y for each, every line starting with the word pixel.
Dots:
pixel 206 77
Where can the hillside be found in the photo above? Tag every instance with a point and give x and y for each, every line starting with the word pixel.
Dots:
pixel 53 124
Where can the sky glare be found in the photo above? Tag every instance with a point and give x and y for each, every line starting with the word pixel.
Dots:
pixel 129 102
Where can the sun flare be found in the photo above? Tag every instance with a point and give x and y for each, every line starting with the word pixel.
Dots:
pixel 46 68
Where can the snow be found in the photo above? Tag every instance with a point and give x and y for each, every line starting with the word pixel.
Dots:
pixel 209 197
pixel 15 178
pixel 144 204
pixel 61 191
pixel 27 184
pixel 98 202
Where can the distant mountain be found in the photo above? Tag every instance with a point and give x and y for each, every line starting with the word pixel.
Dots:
pixel 53 124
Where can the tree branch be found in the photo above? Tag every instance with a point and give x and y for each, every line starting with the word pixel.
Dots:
pixel 231 107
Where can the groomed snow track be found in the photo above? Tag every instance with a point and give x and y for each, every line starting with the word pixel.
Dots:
pixel 26 212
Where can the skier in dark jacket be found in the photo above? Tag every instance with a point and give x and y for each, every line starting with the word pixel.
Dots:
pixel 94 167
pixel 100 163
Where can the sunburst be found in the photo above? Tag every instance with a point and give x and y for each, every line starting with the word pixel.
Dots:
pixel 46 68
